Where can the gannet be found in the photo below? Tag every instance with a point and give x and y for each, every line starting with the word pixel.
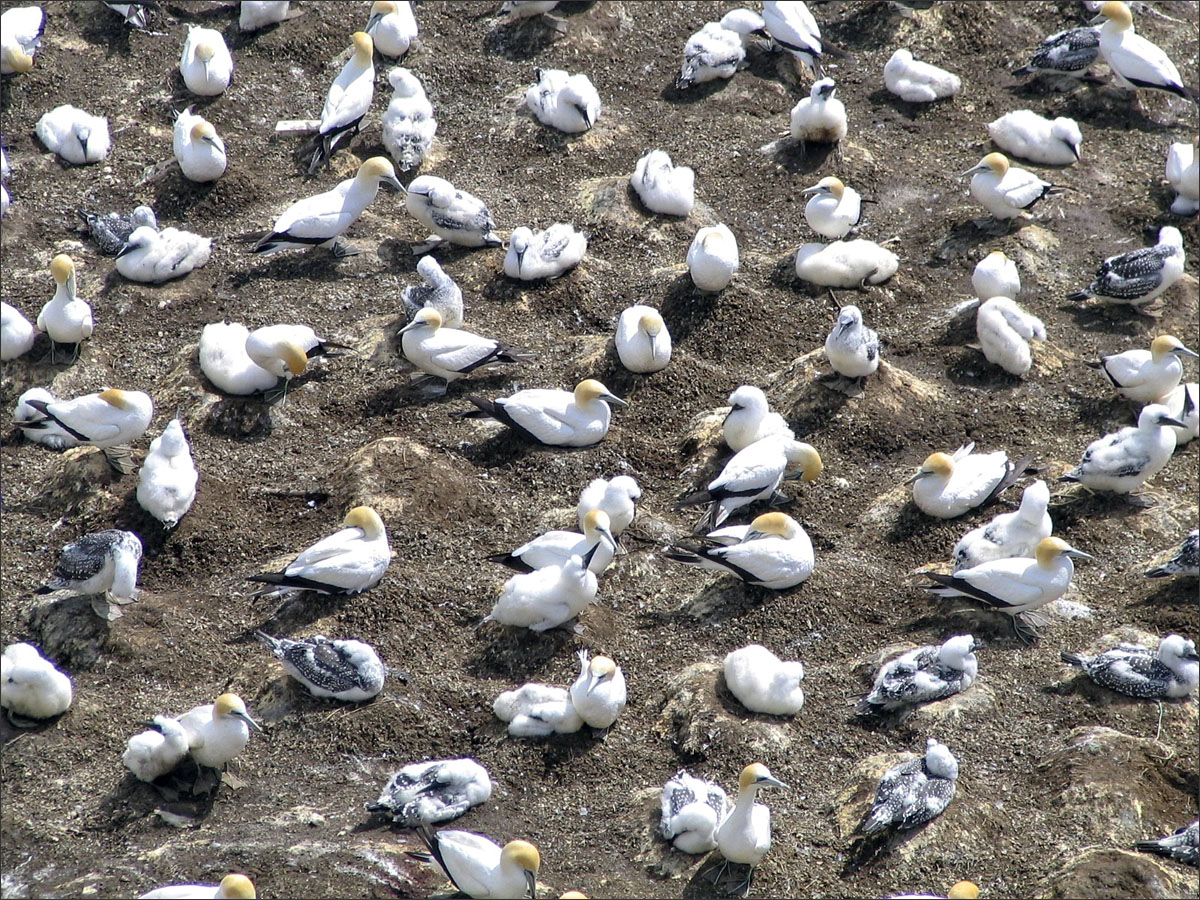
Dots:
pixel 321 219
pixel 663 187
pixel 339 669
pixel 1186 560
pixel 31 685
pixel 199 150
pixel 846 264
pixel 225 362
pixel 922 675
pixel 156 256
pixel 918 82
pixel 745 834
pixel 960 890
pixel 692 808
pixel 17 333
pixel 232 887
pixel 1139 276
pixel 285 350
pixel 1136 671
pixel 106 420
pixel 547 597
pixel 578 418
pixel 1183 845
pixel 205 64
pixel 153 753
pixel 642 340
pixel 438 292
pixel 21 31
pixel 852 348
pixel 1009 534
pixel 66 318
pixel 254 15
pixel 1136 62
pixel 408 122
pixel 947 486
pixel 554 548
pixel 450 353
pixel 97 563
pixel 452 215
pixel 427 793
pixel 712 259
pixel 819 118
pixel 1025 134
pixel 775 553
pixel 1004 190
pixel 111 232
pixel 718 49
pixel 38 428
pixel 792 27
pixel 218 731
pixel 5 169
pixel 617 497
pixel 347 102
pixel 762 682
pixel 996 276
pixel 76 136
pixel 133 14
pixel 544 254
pixel 913 792
pixel 5 201
pixel 349 561
pixel 834 209
pixel 1004 330
pixel 1068 53
pixel 537 710
pixel 1183 175
pixel 1183 403
pixel 750 419
pixel 392 27
pixel 167 480
pixel 1125 460
pixel 478 867
pixel 1146 376
pixel 598 694
pixel 568 103
pixel 525 9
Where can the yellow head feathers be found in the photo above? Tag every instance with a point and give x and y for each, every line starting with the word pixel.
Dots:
pixel 1164 343
pixel 963 890
pixel 17 58
pixel 596 520
pixel 383 8
pixel 203 130
pixel 590 390
pixel 833 185
pixel 115 397
pixel 523 854
pixel 229 705
pixel 205 52
pixel 1118 13
pixel 773 523
pixel 758 774
pixel 62 267
pixel 365 518
pixel 651 323
pixel 293 356
pixel 806 458
pixel 600 666
pixel 938 464
pixel 363 46
pixel 377 166
pixel 237 887
pixel 997 162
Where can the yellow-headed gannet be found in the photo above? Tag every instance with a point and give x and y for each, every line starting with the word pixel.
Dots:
pixel 1186 560
pixel 996 276
pixel 692 808
pixel 76 136
pixel 834 209
pixel 438 790
pixel 914 81
pixel 1136 62
pixel 852 349
pixel 568 103
pixel 20 33
pixel 775 553
pixel 1068 53
pixel 106 420
pixel 1183 175
pixel 167 480
pixel 598 694
pixel 31 686
pixel 922 675
pixel 556 418
pixel 340 670
pixel 1183 845
pixel 947 486
pixel 1126 459
pixel 1139 276
pixel 713 259
pixel 617 497
pixel 1170 672
pixel 1005 190
pixel 205 64
pixel 153 753
pixel 392 27
pixel 1146 376
pixel 750 419
pixel 285 350
pixel 537 710
pixel 1183 402
pixel 1008 534
pixel 718 49
pixel 555 547
pixel 792 27
pixel 744 836
pixel 225 362
pixel 478 867
pixel 764 683
pixel 846 264
pixel 1025 134
pixel 254 15
pixel 451 353
pixel 960 890
pixel 111 232
pixel 1005 330
pixel 199 150
pixel 439 292
pixel 819 118
pixel 104 561
pixel 914 792
pixel 232 887
pixel 38 428
pixel 547 254
pixel 453 216
pixel 17 333
pixel 349 561
pixel 662 186
pixel 218 731
pixel 347 102
pixel 408 122
pixel 66 318
pixel 642 340
pixel 156 256
pixel 547 597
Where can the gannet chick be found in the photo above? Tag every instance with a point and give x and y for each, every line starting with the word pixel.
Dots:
pixel 427 793
pixel 111 232
pixel 1004 190
pixel 232 887
pixel 774 553
pixel 76 136
pixel 439 292
pixel 1123 461
pixel 66 318
pixel 392 27
pixel 199 150
pixel 1010 534
pixel 452 215
pixel 1136 62
pixel 37 427
pixel 349 561
pixel 834 209
pixel 846 264
pixel 1004 330
pixel 763 683
pixel 750 419
pixel 346 103
pixel 544 254
pixel 996 276
pixel 1183 174
pixel 31 685
pixel 167 481
pixel 219 731
pixel 1170 672
pixel 1139 276
pixel 537 710
pixel 598 694
pixel 97 563
pixel 792 27
pixel 922 675
pixel 1146 376
pixel 745 834
pixel 320 220
pixel 450 353
pixel 1068 53
pixel 692 808
pixel 1183 845
pixel 554 548
pixel 578 418
pixel 568 103
pixel 617 497
pixel 225 362
pixel 718 49
pixel 1183 403
pixel 643 342
pixel 1025 134
pixel 547 597
pixel 819 118
pixel 913 792
pixel 852 348
pixel 662 187
pixel 152 754
pixel 712 259
pixel 408 122
pixel 947 486
pixel 205 64
pixel 17 333
pixel 914 81
pixel 1185 562
pixel 478 867
pixel 105 420
pixel 156 256
pixel 285 350
pixel 340 670
pixel 21 30
pixel 254 15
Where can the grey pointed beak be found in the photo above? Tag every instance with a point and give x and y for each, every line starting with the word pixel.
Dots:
pixel 973 170
pixel 587 120
pixel 1171 420
pixel 245 717
pixel 921 474
pixel 1186 352
pixel 772 782
pixel 531 883
pixel 1190 655
pixel 1078 554
pixel 608 536
pixel 1098 19
pixel 815 189
pixel 373 21
pixel 393 182
pixel 128 248
pixel 414 324
pixel 1075 150
pixel 612 398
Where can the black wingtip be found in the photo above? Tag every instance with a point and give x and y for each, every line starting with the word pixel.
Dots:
pixel 1078 296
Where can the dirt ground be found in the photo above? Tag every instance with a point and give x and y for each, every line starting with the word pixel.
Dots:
pixel 1048 799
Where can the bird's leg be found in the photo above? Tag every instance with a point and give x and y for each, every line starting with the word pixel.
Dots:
pixel 342 249
pixel 76 350
pixel 778 498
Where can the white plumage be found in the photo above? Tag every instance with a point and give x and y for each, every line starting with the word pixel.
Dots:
pixel 1136 63
pixel 225 362
pixel 745 834
pixel 996 276
pixel 167 481
pixel 76 136
pixel 218 731
pixel 1183 174
pixel 712 258
pixel 643 342
pixel 199 150
pixel 156 256
pixel 1125 460
pixel 558 418
pixel 774 552
pixel 20 34
pixel 1004 190
pixel 834 208
pixel 1008 534
pixel 533 256
pixel 17 333
pixel 547 597
pixel 34 424
pixel 1004 330
pixel 563 101
pixel 750 419
pixel 284 350
pixel 792 27
pixel 97 563
pixel 439 790
pixel 718 49
pixel 663 187
pixel 153 753
pixel 205 64
pixel 392 27
pixel 452 215
pixel 105 420
pixel 347 101
pixel 31 685
pixel 1172 671
pixel 256 14
pixel 345 670
pixel 819 118
pixel 1139 276
pixel 232 887
pixel 617 497
pixel 763 683
pixel 918 82
pixel 451 353
pixel 598 694
pixel 1025 134
pixel 846 264
pixel 66 318
pixel 851 347
pixel 1183 404
pixel 481 868
pixel 948 486
pixel 537 710
pixel 1146 376
pixel 408 122
pixel 692 808
pixel 554 548
pixel 439 292
pixel 349 561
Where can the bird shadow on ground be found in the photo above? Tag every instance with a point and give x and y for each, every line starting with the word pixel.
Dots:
pixel 247 420
pixel 911 523
pixel 966 236
pixel 1178 591
pixel 316 264
pixel 717 878
pixel 970 368
pixel 913 112
pixel 684 307
pixel 1105 414
pixel 521 40
pixel 866 850
pixel 131 517
pixel 296 610
pixel 518 653
pixel 10 732
pixel 801 157
pixel 696 93
pixel 1111 109
pixel 503 449
pixel 1082 505
pixel 1110 318
pixel 992 626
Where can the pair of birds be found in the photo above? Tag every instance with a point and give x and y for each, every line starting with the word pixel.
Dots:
pixel 596 699
pixel 239 361
pixel 212 734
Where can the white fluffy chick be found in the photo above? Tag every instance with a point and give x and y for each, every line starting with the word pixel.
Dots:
pixel 996 276
pixel 568 103
pixel 1025 134
pixel 76 136
pixel 917 82
pixel 819 118
pixel 1005 330
pixel 846 264
pixel 167 481
pixel 31 685
pixel 1008 534
pixel 537 710
pixel 408 122
pixel 1183 174
pixel 153 753
pixel 662 186
pixel 764 683
pixel 17 334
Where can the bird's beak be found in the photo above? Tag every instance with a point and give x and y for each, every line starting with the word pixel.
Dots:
pixel 212 140
pixel 611 398
pixel 415 323
pixel 587 557
pixel 531 882
pixel 587 120
pixel 920 474
pixel 752 535
pixel 1098 19
pixel 772 782
pixel 973 170
pixel 1075 150
pixel 815 189
pixel 1078 554
pixel 245 717
pixel 977 644
pixel 1171 420
pixel 393 182
pixel 608 536
pixel 128 248
pixel 373 21
pixel 1190 654
pixel 1186 352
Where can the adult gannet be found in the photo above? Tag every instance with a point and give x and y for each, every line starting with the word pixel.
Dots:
pixel 232 887
pixel 438 790
pixel 914 81
pixel 922 675
pixel 554 548
pixel 205 64
pixel 960 890
pixel 254 15
pixel 996 276
pixel 478 867
pixel 1126 459
pixel 662 186
pixel 792 27
pixel 547 597
pixel 17 333
pixel 111 231
pixel 819 118
pixel 852 348
pixel 37 427
pixel 167 480
pixel 66 317
pixel 1183 175
pixel 568 103
pixel 452 215
pixel 947 486
pixel 1183 845
pixel 20 34
pixel 846 264
pixel 1136 62
pixel 1137 277
pixel 199 150
pixel 225 362
pixel 834 209
pixel 31 685
pixel 156 256
pixel 750 419
pixel 1004 331
pixel 642 340
pixel 617 497
pixel 1183 403
pixel 1025 134
pixel 745 834
pixel 913 792
pixel 712 258
pixel 578 418
pixel 106 420
pixel 1146 376
pixel 775 553
pixel 598 694
pixel 153 753
pixel 97 563
pixel 408 122
pixel 339 669
pixel 392 27
pixel 1005 190
pixel 349 561
pixel 692 808
pixel 1009 534
pixel 450 353
pixel 1186 560
pixel 321 219
pixel 1068 53
pixel 438 292
pixel 1170 672
pixel 284 350
pixel 218 731
pixel 347 102
pixel 76 136
pixel 762 682
pixel 537 710
pixel 548 254
pixel 718 49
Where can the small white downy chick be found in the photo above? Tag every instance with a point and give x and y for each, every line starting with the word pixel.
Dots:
pixel 1005 330
pixel 996 276
pixel 1008 535
pixel 17 333
pixel 537 710
pixel 764 683
pixel 76 136
pixel 153 753
pixel 153 256
pixel 408 123
pixel 917 82
pixel 713 259
pixel 718 49
pixel 549 254
pixel 205 63
pixel 819 118
pixel 662 186
pixel 1025 134
pixel 568 103
pixel 692 809
pixel 598 694
pixel 643 342
pixel 31 685
pixel 750 419
pixel 167 481
pixel 439 291
pixel 199 150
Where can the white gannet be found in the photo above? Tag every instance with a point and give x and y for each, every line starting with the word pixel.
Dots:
pixel 1004 190
pixel 321 219
pixel 1146 376
pixel 598 694
pixel 846 264
pixel 76 136
pixel 922 675
pixel 914 792
pixel 438 292
pixel 712 258
pixel 918 82
pixel 205 64
pixel 5 169
pixel 153 753
pixel 554 548
pixel 1186 560
pixel 225 362
pixel 5 201
pixel 285 350
pixel 718 49
pixel 1068 53
pixel 1183 845
pixel 568 103
pixel 97 563
pixel 851 347
pixel 347 101
pixel 156 256
pixel 450 353
pixel 745 835
pixel 392 27
pixel 763 683
pixel 774 553
pixel 111 232
pixel 1136 671
pixel 960 890
pixel 408 122
pixel 1139 276
pixel 218 731
pixel 663 187
pixel 199 150
pixel 479 867
pixel 232 887
pixel 1126 459
pixel 792 27
pixel 692 808
pixel 1183 175
pixel 37 427
pixel 1183 402
pixel 31 685
pixel 349 561
pixel 947 486
pixel 1009 534
pixel 254 15
pixel 642 340
pixel 996 276
pixel 834 209
pixel 106 420
pixel 819 118
pixel 133 14
pixel 547 597
pixel 1136 62
pixel 750 419
pixel 167 480
pixel 558 418
pixel 1025 134
pixel 1004 330
pixel 20 33
pixel 617 497
pixel 537 710
pixel 339 669
pixel 544 254
pixel 438 790
pixel 17 333
pixel 66 317
pixel 452 215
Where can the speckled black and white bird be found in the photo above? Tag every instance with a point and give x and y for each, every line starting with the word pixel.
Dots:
pixel 923 675
pixel 340 670
pixel 1137 277
pixel 1068 53
pixel 427 793
pixel 111 231
pixel 1185 562
pixel 1182 846
pixel 452 215
pixel 692 809
pixel 1171 671
pixel 718 49
pixel 104 561
pixel 852 349
pixel 439 291
pixel 913 792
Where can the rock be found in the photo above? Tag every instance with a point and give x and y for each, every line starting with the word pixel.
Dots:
pixel 1111 872
pixel 79 485
pixel 68 630
pixel 655 853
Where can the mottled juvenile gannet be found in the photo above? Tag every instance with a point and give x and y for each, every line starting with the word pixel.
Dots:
pixel 1170 672
pixel 76 136
pixel 617 497
pixel 1008 534
pixel 478 867
pixel 554 548
pixel 408 122
pixel 218 731
pixel 205 64
pixel 392 27
pixel 763 683
pixel 1139 276
pixel 819 118
pixel 31 685
pixel 427 793
pixel 349 561
pixel 557 418
pixel 199 150
pixel 438 292
pixel 852 348
pixel 745 834
pixel 1183 845
pixel 1186 560
pixel 918 82
pixel 692 808
pixel 834 209
pixel 153 753
pixel 450 353
pixel 947 486
pixel 232 887
pixel 537 710
pixel 1183 174
pixel 642 340
pixel 17 333
pixel 598 694
pixel 1005 330
pixel 996 276
pixel 1136 63
pixel 1123 461
pixel 347 102
pixel 913 792
pixel 340 670
pixel 750 419
pixel 662 186
pixel 718 49
pixel 774 553
pixel 922 675
pixel 66 318
pixel 111 232
pixel 547 597
pixel 1005 190
pixel 20 34
pixel 1068 53
pixel 104 561
pixel 452 215
pixel 167 480
pixel 846 264
pixel 547 254
pixel 1146 376
pixel 713 259
pixel 156 256
pixel 568 103
pixel 1025 134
